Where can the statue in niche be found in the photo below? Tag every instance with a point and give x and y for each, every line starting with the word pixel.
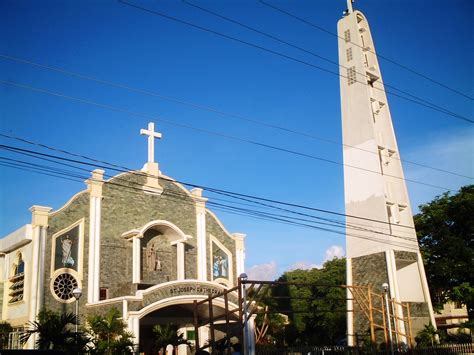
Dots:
pixel 220 265
pixel 66 248
pixel 153 261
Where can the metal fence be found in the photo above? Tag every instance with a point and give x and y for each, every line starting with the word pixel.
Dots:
pixel 332 350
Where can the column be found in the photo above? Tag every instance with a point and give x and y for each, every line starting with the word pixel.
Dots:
pixel 251 335
pixel 180 260
pixel 94 185
pixel 133 325
pixel 397 309
pixel 239 252
pixel 136 240
pixel 200 233
pixel 350 304
pixel 39 225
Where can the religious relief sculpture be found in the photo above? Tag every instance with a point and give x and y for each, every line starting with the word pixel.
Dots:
pixel 220 264
pixel 152 258
pixel 67 249
pixel 66 244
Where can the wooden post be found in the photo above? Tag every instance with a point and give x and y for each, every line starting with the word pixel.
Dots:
pixel 241 313
pixel 211 323
pixel 371 318
pixel 227 325
pixel 196 325
pixel 410 334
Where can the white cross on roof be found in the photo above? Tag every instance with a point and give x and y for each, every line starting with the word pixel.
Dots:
pixel 150 132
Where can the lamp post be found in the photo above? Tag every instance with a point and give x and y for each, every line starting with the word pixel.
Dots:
pixel 244 277
pixel 77 293
pixel 385 288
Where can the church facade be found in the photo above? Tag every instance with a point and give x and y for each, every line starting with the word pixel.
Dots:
pixel 139 241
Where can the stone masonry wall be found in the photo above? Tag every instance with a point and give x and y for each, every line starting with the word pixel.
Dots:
pixel 214 229
pixel 124 209
pixel 77 209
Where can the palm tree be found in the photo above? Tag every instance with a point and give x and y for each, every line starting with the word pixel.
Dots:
pixel 168 334
pixel 5 329
pixel 55 332
pixel 109 333
pixel 426 336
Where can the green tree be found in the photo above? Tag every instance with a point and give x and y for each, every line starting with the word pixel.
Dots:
pixel 318 316
pixel 168 334
pixel 56 332
pixel 109 333
pixel 5 329
pixel 445 229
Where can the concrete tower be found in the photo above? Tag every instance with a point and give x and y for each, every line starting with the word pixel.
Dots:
pixel 381 242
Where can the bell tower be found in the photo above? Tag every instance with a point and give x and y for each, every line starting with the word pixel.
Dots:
pixel 381 239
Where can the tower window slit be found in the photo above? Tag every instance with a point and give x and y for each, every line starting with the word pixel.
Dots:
pixel 349 54
pixel 351 75
pixel 347 36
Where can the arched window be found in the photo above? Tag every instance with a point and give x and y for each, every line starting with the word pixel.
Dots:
pixel 17 280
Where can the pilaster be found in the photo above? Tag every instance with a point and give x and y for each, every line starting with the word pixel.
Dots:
pixel 239 252
pixel 94 186
pixel 39 222
pixel 200 233
pixel 180 262
pixel 136 240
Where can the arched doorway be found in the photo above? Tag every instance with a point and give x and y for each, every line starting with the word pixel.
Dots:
pixel 179 313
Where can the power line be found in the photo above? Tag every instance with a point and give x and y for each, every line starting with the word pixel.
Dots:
pixel 222 135
pixel 245 197
pixel 214 110
pixel 184 198
pixel 314 54
pixel 320 28
pixel 285 56
pixel 119 168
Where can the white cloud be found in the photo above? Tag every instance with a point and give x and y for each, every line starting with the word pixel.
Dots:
pixel 334 251
pixel 303 265
pixel 265 272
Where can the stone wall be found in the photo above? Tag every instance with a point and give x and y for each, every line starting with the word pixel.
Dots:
pixel 214 229
pixel 126 207
pixel 370 270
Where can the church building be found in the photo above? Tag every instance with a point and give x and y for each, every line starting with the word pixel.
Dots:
pixel 140 242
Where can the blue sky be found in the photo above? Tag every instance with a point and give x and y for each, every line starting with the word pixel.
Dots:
pixel 114 42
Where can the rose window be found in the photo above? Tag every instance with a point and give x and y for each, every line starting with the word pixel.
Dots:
pixel 63 286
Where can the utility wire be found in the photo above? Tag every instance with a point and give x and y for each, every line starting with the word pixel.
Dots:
pixel 284 56
pixel 313 54
pixel 184 198
pixel 222 135
pixel 214 110
pixel 320 28
pixel 236 195
pixel 106 165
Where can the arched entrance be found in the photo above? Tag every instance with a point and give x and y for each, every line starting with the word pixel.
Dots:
pixel 173 303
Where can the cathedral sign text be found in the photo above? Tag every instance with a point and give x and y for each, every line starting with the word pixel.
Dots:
pixel 183 289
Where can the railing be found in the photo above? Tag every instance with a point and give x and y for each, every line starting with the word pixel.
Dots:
pixel 327 350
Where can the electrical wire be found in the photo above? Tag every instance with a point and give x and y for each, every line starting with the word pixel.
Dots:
pixel 214 110
pixel 282 55
pixel 245 197
pixel 320 28
pixel 119 168
pixel 222 135
pixel 179 197
pixel 266 214
pixel 315 55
